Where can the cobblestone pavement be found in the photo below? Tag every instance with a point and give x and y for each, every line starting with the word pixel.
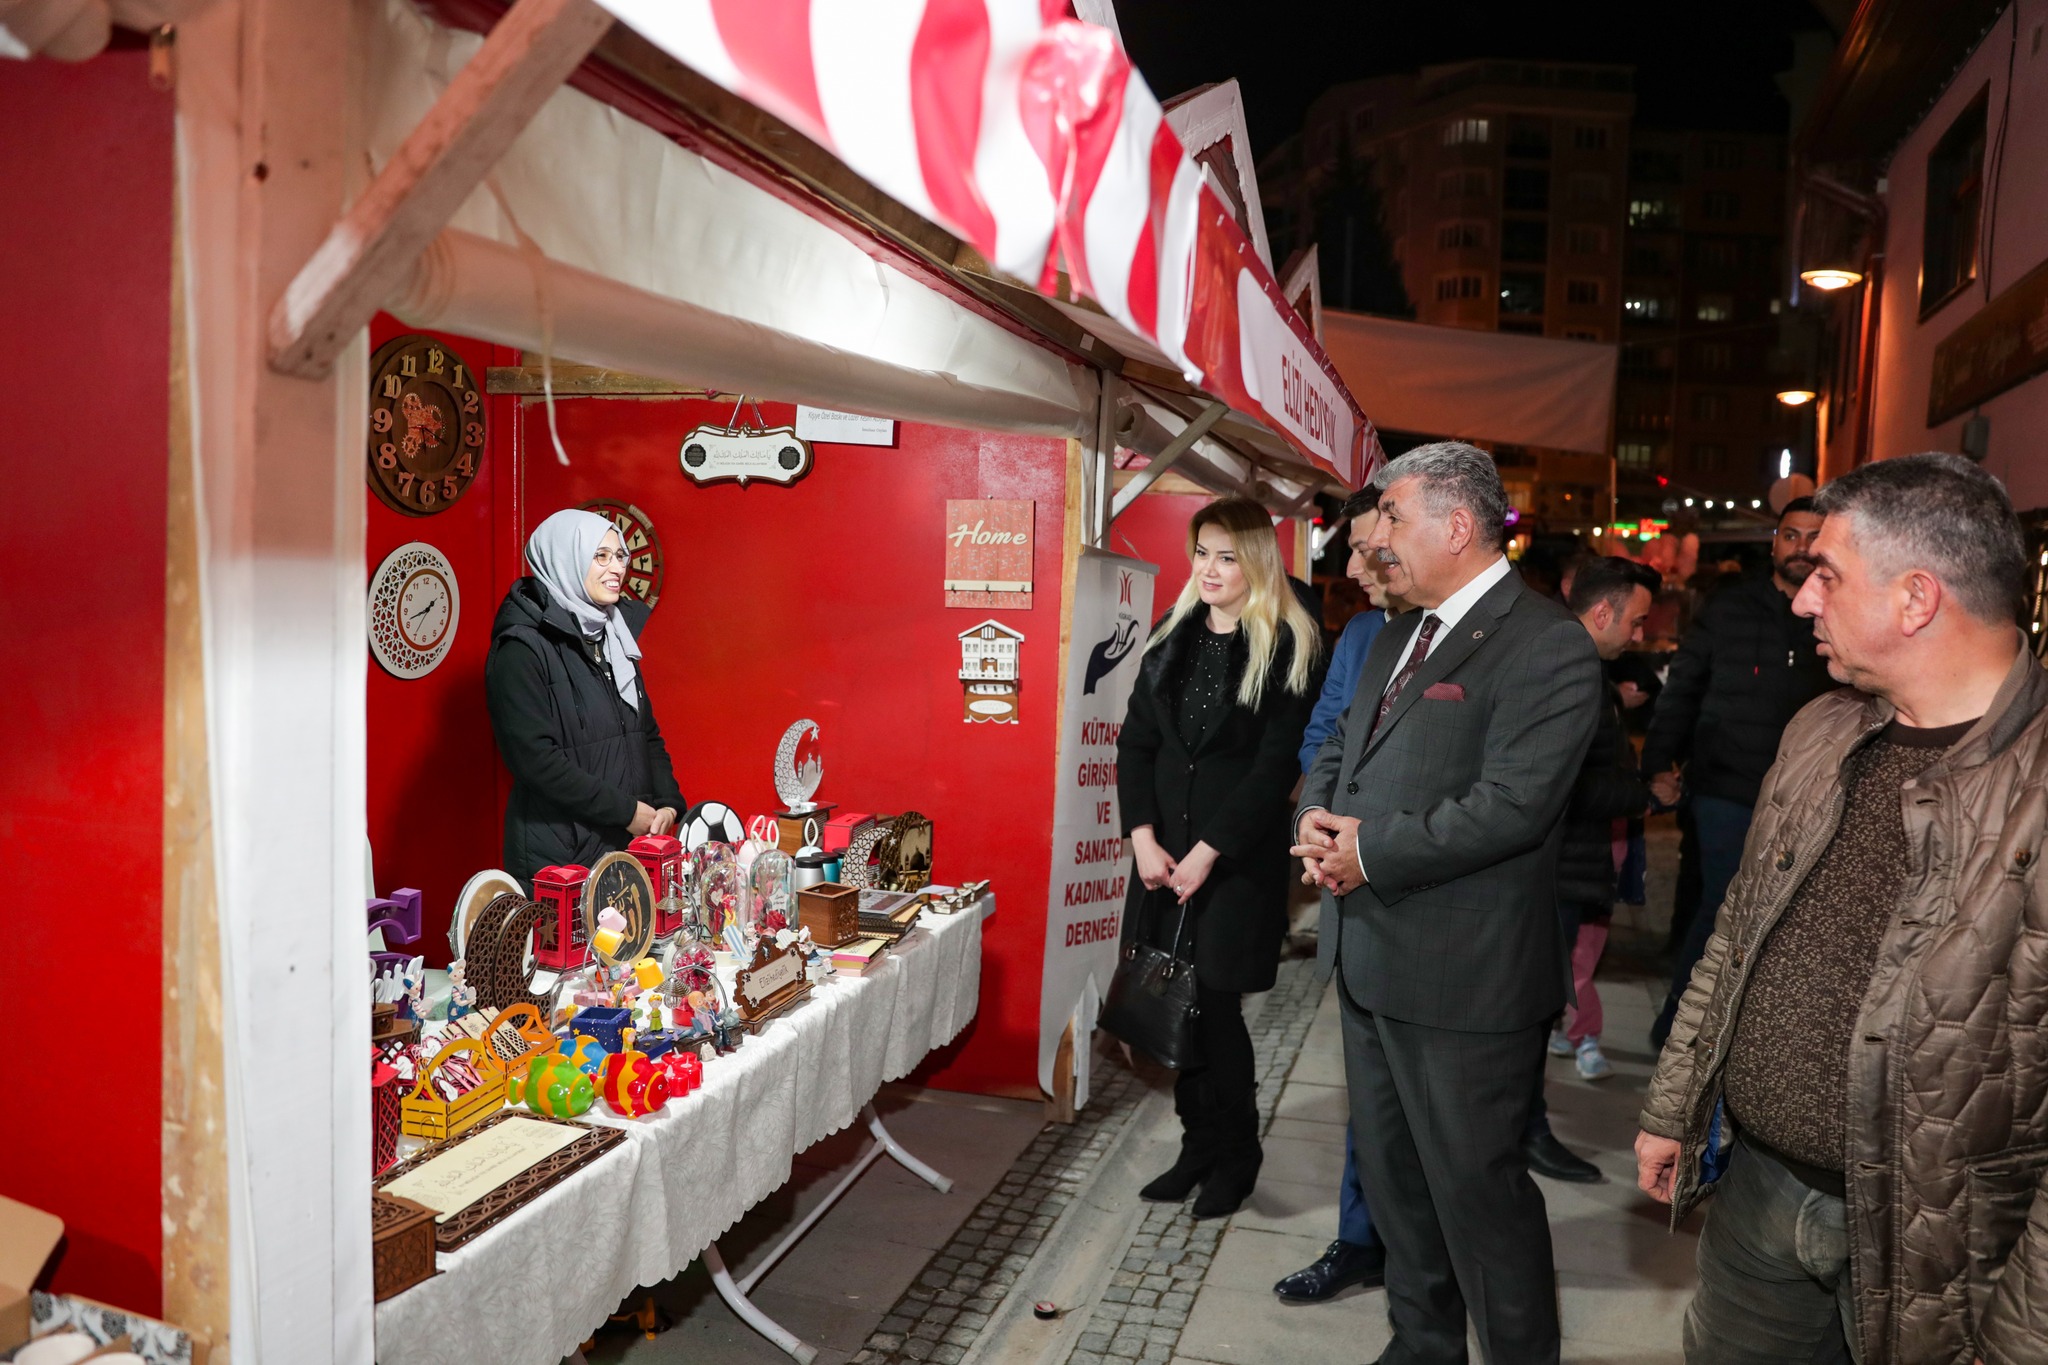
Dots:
pixel 1152 1288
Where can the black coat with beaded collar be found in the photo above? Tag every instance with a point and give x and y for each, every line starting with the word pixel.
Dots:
pixel 1231 790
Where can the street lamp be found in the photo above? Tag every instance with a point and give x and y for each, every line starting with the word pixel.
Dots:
pixel 1832 277
pixel 1795 398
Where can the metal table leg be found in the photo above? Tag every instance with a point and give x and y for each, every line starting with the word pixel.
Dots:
pixel 735 1292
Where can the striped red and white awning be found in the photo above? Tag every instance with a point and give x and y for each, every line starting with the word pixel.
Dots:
pixel 1030 135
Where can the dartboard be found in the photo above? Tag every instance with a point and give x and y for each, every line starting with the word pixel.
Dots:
pixel 710 821
pixel 636 529
pixel 413 609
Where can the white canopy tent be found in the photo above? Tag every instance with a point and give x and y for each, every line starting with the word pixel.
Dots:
pixel 1487 386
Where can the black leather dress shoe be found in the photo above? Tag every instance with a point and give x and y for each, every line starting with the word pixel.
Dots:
pixel 1548 1156
pixel 1343 1265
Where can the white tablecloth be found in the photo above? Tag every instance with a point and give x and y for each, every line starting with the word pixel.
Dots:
pixel 534 1288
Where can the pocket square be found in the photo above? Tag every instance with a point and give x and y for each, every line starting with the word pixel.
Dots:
pixel 1444 692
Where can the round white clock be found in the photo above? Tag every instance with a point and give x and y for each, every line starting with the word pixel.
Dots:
pixel 414 607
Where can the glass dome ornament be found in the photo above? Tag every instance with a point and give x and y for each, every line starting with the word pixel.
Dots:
pixel 774 878
pixel 721 887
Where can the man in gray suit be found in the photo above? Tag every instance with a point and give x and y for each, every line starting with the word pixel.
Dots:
pixel 1432 816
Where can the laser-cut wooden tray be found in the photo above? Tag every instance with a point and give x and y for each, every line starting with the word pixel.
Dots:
pixel 521 1189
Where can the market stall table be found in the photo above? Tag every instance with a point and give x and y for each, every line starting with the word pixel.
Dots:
pixel 534 1288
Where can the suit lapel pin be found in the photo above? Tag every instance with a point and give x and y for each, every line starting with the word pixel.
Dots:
pixel 1479 635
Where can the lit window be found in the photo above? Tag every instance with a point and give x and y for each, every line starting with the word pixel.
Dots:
pixel 1651 213
pixel 1715 308
pixel 1645 307
pixel 1461 131
pixel 1450 287
pixel 1635 454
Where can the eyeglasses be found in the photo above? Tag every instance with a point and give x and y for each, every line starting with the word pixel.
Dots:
pixel 618 557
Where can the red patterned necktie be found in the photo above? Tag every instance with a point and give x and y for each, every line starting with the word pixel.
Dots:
pixel 1415 658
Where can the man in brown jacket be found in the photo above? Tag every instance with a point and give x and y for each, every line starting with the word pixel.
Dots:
pixel 1862 1055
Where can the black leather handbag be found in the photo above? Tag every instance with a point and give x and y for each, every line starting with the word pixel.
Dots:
pixel 1151 1001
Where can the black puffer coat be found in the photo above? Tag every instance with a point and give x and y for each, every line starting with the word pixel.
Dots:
pixel 1231 791
pixel 1609 788
pixel 1746 667
pixel 581 758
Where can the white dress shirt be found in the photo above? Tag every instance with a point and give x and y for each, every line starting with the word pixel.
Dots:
pixel 1453 608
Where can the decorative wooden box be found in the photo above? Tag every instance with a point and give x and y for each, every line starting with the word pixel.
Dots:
pixel 831 911
pixel 426 1115
pixel 402 1244
pixel 385 1093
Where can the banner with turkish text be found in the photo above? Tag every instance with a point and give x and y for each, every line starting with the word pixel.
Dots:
pixel 1091 866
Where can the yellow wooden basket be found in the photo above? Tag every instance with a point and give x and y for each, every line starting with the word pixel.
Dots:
pixel 423 1114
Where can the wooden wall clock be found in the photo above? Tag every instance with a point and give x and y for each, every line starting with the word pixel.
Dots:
pixel 427 426
pixel 636 531
pixel 414 607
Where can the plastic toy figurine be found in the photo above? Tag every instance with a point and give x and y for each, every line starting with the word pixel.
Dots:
pixel 633 1085
pixel 553 1088
pixel 461 995
pixel 412 981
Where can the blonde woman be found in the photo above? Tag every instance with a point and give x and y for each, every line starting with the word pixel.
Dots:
pixel 1206 763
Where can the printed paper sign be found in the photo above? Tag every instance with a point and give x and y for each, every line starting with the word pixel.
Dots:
pixel 1091 868
pixel 988 552
pixel 844 428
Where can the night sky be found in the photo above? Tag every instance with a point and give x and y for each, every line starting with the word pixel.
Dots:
pixel 1702 66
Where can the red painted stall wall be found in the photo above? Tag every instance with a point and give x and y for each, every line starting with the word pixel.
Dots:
pixel 436 810
pixel 822 600
pixel 85 261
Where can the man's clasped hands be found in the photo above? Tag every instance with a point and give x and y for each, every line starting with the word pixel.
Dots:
pixel 1328 849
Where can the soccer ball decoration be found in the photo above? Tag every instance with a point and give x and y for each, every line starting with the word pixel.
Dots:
pixel 711 821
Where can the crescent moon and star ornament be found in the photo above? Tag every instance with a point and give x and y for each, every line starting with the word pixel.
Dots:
pixel 413 610
pixel 799 766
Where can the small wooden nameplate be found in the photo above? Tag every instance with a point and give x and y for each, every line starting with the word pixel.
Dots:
pixel 770 984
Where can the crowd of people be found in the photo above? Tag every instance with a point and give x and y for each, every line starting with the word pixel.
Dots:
pixel 1856 743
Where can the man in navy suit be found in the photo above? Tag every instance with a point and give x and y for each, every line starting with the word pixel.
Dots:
pixel 1433 816
pixel 1357 1256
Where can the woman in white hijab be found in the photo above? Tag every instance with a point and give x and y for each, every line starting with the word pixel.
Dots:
pixel 569 703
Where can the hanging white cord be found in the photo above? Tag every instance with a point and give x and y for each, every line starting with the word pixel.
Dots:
pixel 536 264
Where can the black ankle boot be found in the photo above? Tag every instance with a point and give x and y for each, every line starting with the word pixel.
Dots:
pixel 1230 1182
pixel 1198 1137
pixel 1180 1181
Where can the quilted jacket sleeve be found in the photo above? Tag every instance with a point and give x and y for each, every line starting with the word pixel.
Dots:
pixel 1664 1110
pixel 2016 1323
